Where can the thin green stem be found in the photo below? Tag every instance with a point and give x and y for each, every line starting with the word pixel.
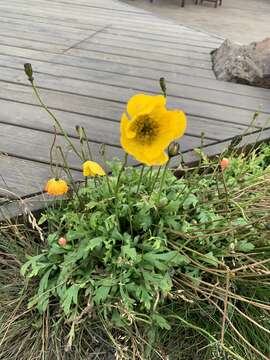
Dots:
pixel 87 143
pixel 67 170
pixel 150 175
pixel 140 179
pixel 120 174
pixel 154 181
pixel 103 155
pixel 206 334
pixel 55 119
pixel 163 179
pixel 55 174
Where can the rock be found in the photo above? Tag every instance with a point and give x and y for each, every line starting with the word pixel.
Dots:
pixel 244 64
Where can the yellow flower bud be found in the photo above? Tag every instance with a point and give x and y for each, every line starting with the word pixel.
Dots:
pixel 91 168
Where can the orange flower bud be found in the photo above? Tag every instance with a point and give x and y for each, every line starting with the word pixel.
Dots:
pixel 62 241
pixel 224 164
pixel 56 187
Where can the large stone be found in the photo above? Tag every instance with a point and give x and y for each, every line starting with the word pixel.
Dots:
pixel 245 64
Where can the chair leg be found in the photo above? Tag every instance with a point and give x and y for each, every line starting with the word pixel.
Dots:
pixel 183 3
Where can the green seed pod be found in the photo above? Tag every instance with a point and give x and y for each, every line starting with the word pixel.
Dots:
pixel 163 86
pixel 28 71
pixel 173 149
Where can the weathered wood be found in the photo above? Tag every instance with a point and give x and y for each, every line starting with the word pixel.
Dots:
pixel 35 145
pixel 187 59
pixel 248 142
pixel 170 41
pixel 85 59
pixel 35 117
pixel 21 177
pixel 144 44
pixel 81 78
pixel 29 44
pixel 113 96
pixel 82 68
pixel 54 28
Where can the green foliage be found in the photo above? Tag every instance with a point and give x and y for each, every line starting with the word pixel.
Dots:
pixel 136 254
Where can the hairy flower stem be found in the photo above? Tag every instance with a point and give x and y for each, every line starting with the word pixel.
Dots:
pixel 103 155
pixel 87 143
pixel 163 179
pixel 55 173
pixel 67 170
pixel 154 182
pixel 63 132
pixel 120 174
pixel 140 179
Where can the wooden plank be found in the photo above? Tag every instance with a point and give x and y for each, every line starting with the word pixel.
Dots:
pixel 109 5
pixel 97 107
pixel 34 45
pixel 32 144
pixel 49 28
pixel 24 33
pixel 216 149
pixel 17 208
pixel 180 66
pixel 163 47
pixel 103 15
pixel 151 22
pixel 188 59
pixel 148 20
pixel 171 34
pixel 163 38
pixel 35 145
pixel 35 117
pixel 173 37
pixel 81 77
pixel 191 105
pixel 19 177
pixel 77 65
pixel 96 59
pixel 24 19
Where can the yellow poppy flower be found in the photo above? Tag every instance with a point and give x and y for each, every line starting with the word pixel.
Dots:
pixel 150 129
pixel 56 187
pixel 91 168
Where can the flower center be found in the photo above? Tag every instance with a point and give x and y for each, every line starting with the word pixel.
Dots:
pixel 146 129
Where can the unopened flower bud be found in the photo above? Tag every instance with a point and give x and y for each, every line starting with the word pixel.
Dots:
pixel 224 164
pixel 62 242
pixel 173 149
pixel 29 71
pixel 163 87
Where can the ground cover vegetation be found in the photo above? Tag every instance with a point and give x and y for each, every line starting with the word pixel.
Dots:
pixel 138 263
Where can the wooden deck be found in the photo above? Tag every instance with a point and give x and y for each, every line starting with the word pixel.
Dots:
pixel 90 57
